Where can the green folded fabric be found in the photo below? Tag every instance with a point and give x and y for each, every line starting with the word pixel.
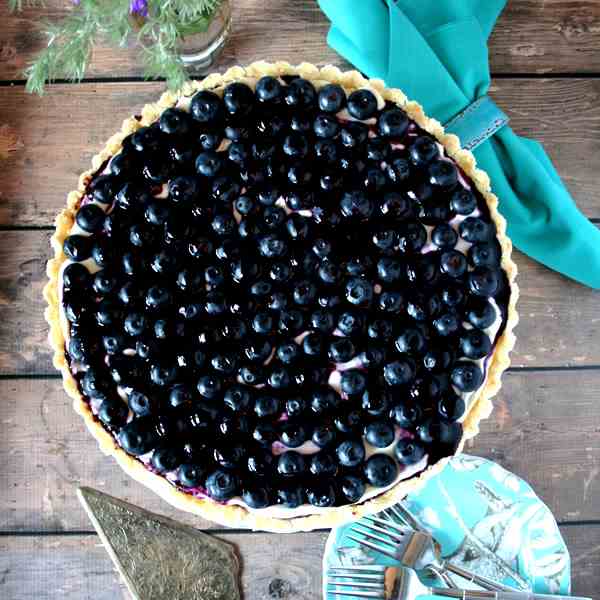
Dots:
pixel 436 52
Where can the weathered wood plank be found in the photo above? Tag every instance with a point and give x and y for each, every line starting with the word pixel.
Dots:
pixel 559 322
pixel 532 36
pixel 57 137
pixel 545 428
pixel 78 568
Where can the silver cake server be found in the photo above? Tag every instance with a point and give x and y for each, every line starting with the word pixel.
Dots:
pixel 160 558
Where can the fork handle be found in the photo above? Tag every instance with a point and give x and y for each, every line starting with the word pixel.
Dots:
pixel 484 582
pixel 494 595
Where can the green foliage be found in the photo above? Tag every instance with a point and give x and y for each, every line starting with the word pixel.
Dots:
pixel 158 35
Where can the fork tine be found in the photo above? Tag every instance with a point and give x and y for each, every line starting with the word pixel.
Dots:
pixel 401 512
pixel 378 540
pixel 402 529
pixel 396 537
pixel 357 594
pixel 359 575
pixel 372 533
pixel 373 546
pixel 353 568
pixel 362 585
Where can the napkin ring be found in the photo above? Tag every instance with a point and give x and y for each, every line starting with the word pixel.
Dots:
pixel 477 123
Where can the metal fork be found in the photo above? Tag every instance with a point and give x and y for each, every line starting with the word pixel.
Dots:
pixel 414 549
pixel 401 513
pixel 393 583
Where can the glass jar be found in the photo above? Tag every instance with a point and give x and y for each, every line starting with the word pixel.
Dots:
pixel 200 49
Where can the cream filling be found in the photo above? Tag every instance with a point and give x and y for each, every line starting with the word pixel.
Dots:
pixel 334 381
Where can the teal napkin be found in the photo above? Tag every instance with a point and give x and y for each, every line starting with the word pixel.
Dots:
pixel 436 52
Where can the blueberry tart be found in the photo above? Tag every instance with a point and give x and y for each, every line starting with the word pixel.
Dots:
pixel 283 297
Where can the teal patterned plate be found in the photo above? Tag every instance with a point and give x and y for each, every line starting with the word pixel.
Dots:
pixel 486 520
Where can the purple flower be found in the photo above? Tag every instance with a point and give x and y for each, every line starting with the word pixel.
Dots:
pixel 139 7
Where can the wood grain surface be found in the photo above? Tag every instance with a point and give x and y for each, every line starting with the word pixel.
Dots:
pixel 544 428
pixel 545 55
pixel 532 36
pixel 559 323
pixel 76 567
pixel 35 179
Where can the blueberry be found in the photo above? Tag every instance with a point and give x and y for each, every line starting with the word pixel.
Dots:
pixel 466 376
pixel 411 341
pixel 301 122
pixel 135 323
pixel 206 107
pixel 324 401
pixel 474 229
pixel 224 363
pixel 484 281
pixel 442 173
pixel 78 247
pixel 475 344
pixel 299 173
pixel 396 205
pixel 268 89
pixel 353 382
pixel 350 453
pixel 166 459
pixel 104 282
pixel 406 415
pixel 175 121
pixel 354 134
pixel 90 217
pixel 485 254
pixel 323 435
pixel 423 150
pixel 313 344
pixel 75 277
pixel 352 488
pixel 296 226
pixel 137 437
pixel 372 356
pixel 288 352
pixel 326 151
pixel 447 324
pixel 451 407
pixel 163 374
pixel 147 139
pixel 341 350
pixel 256 497
pixel 142 404
pixel 209 163
pixel 399 372
pixel 270 246
pixel 291 463
pixel 300 93
pixel 184 189
pixel 378 150
pixel 157 297
pixel 380 470
pixel 103 188
pixel 375 404
pixel 444 236
pixel 480 313
pixel 389 270
pixel 221 485
pixel 463 202
pixel 393 122
pixel 304 292
pixel 292 434
pixel 322 320
pixel 290 321
pixel 266 406
pixel 331 98
pixel 453 263
pixel 358 265
pixel 264 434
pixel 223 225
pixel 259 462
pixel 209 386
pixel 191 475
pixel 350 323
pixel 321 494
pixel 379 434
pixel 409 452
pixel 113 413
pixel 359 291
pixel 412 236
pixel 326 126
pixel 179 395
pixel 156 212
pixel 210 140
pixel 291 497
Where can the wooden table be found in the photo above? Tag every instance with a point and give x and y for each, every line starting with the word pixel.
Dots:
pixel 545 57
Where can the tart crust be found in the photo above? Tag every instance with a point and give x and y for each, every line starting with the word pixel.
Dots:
pixel 480 405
